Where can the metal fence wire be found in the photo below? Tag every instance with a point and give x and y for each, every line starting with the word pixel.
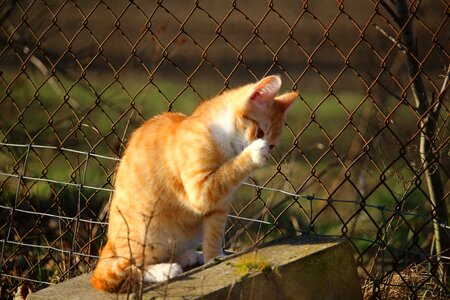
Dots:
pixel 365 153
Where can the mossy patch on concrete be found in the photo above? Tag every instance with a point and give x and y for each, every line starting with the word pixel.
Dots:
pixel 250 263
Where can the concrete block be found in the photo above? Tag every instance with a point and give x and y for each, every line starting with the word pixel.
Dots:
pixel 304 267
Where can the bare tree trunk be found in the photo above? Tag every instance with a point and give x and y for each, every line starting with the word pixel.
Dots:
pixel 429 117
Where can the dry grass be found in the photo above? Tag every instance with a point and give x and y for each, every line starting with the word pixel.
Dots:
pixel 414 282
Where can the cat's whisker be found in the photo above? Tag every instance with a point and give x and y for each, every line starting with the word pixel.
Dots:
pixel 250 220
pixel 273 189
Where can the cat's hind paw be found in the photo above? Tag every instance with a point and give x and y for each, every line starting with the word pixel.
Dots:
pixel 191 258
pixel 162 272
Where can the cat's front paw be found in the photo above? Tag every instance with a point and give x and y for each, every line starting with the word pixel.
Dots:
pixel 217 259
pixel 191 258
pixel 259 152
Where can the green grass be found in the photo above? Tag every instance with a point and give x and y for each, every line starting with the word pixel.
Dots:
pixel 96 108
pixel 320 117
pixel 108 110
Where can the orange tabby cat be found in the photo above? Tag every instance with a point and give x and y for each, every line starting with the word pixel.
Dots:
pixel 174 184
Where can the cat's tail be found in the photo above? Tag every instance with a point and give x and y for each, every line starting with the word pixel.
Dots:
pixel 112 271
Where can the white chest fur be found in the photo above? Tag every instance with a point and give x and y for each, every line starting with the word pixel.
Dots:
pixel 224 133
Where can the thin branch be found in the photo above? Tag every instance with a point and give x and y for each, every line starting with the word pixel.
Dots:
pixel 445 84
pixel 397 43
pixel 386 89
pixel 428 122
pixel 41 67
pixel 440 96
pixel 390 11
pixel 6 12
pixel 408 39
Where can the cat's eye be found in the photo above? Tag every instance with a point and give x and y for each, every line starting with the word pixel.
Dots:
pixel 271 147
pixel 259 133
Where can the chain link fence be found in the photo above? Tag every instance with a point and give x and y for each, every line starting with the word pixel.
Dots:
pixel 365 154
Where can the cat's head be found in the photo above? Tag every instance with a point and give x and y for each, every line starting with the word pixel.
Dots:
pixel 260 113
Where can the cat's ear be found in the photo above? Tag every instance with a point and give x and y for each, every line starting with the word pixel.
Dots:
pixel 284 101
pixel 265 90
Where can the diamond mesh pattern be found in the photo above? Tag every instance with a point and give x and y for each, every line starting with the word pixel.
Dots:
pixel 78 76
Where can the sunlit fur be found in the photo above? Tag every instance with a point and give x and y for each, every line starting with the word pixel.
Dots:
pixel 174 185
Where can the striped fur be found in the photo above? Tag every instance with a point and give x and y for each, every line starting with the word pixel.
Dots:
pixel 175 182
